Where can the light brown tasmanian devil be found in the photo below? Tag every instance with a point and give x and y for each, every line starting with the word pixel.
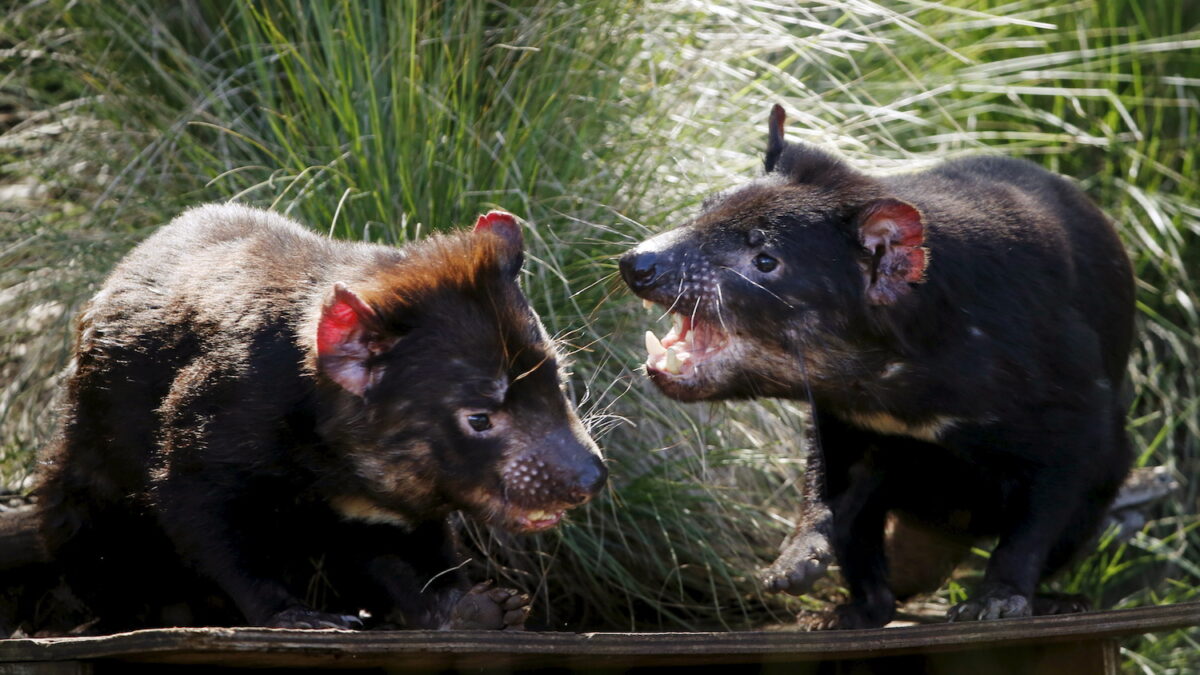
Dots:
pixel 962 333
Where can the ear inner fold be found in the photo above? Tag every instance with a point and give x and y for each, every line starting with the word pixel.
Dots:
pixel 893 231
pixel 347 335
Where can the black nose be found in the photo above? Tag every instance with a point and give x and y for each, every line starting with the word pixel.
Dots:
pixel 638 269
pixel 589 481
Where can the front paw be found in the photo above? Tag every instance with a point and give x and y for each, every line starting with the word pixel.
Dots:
pixel 847 617
pixel 993 604
pixel 487 608
pixel 302 617
pixel 802 560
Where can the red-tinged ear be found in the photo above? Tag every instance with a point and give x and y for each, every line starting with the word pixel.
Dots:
pixel 502 223
pixel 775 142
pixel 349 333
pixel 505 225
pixel 892 232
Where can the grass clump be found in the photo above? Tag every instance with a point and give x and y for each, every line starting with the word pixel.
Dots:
pixel 603 122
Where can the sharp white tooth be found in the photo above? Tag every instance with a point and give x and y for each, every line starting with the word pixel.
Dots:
pixel 654 346
pixel 678 321
pixel 648 305
pixel 537 515
pixel 673 364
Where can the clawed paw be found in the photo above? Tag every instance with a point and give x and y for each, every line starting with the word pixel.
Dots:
pixel 1047 604
pixel 845 617
pixel 991 605
pixel 302 617
pixel 802 560
pixel 487 608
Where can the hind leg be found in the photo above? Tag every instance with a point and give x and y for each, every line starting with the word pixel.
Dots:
pixel 1075 543
pixel 1049 509
pixel 1080 537
pixel 87 508
pixel 1069 548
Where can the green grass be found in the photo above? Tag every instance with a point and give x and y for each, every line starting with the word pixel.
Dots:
pixel 600 124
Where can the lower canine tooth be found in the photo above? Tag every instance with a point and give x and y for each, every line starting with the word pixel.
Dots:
pixel 647 304
pixel 654 346
pixel 673 364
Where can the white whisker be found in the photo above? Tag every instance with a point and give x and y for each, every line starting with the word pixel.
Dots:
pixel 678 297
pixel 720 302
pixel 760 286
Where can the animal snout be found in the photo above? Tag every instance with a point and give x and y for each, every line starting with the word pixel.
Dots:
pixel 639 269
pixel 590 478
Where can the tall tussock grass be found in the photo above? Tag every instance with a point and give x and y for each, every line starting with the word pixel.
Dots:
pixel 599 123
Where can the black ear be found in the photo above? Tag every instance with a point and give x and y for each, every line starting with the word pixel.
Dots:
pixel 775 142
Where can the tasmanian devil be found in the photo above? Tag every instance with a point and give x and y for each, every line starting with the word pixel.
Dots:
pixel 260 415
pixel 961 333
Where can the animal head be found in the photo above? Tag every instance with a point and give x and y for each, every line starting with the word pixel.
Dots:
pixel 763 285
pixel 444 391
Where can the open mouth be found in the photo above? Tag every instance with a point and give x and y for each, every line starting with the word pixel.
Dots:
pixel 520 519
pixel 690 342
pixel 537 521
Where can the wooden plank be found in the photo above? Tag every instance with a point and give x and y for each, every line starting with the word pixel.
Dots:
pixel 1077 658
pixel 414 650
pixel 46 668
pixel 1090 657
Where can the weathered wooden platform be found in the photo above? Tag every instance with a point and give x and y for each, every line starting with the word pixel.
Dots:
pixel 1076 644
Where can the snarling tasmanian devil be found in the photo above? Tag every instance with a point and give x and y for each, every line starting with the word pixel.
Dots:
pixel 962 334
pixel 261 415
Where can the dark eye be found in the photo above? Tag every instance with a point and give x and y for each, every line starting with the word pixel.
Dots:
pixel 479 422
pixel 765 263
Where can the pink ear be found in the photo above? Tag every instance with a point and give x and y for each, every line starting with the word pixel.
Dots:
pixel 502 223
pixel 347 334
pixel 892 231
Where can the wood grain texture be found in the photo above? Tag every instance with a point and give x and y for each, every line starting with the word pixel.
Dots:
pixel 421 650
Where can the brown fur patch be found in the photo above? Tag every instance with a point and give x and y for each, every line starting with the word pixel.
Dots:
pixel 459 262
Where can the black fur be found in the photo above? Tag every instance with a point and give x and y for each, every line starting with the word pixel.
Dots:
pixel 212 467
pixel 962 332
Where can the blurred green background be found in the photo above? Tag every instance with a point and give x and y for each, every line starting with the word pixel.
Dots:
pixel 601 122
